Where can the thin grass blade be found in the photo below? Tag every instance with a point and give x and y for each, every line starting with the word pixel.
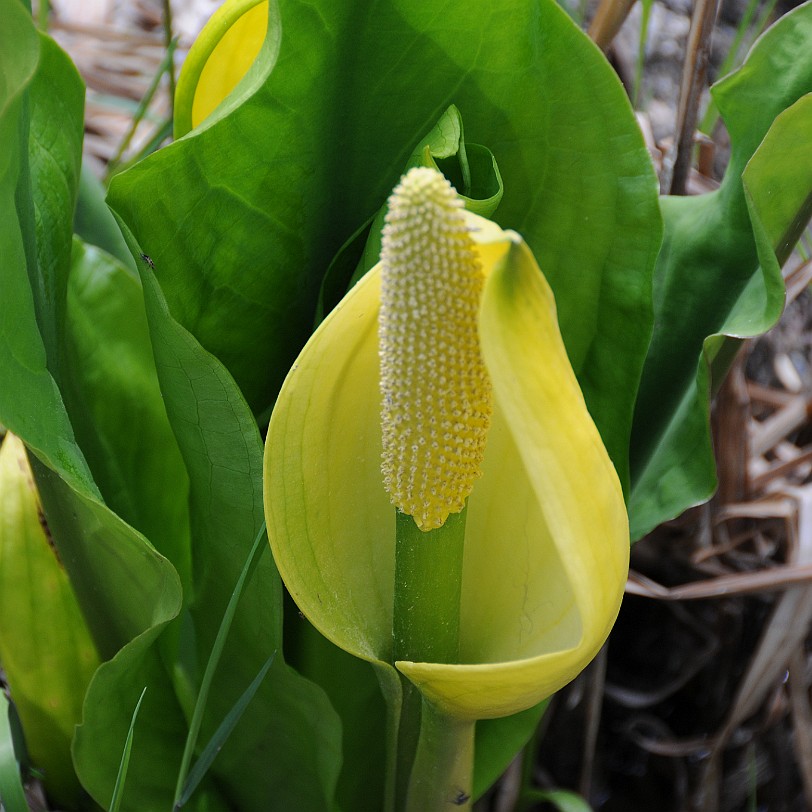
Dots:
pixel 221 734
pixel 161 132
pixel 641 51
pixel 214 659
pixel 166 66
pixel 118 789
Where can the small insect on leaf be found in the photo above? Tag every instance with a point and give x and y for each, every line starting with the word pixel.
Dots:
pixel 461 797
pixel 148 259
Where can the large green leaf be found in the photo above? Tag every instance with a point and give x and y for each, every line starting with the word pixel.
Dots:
pixel 118 414
pixel 128 591
pixel 55 155
pixel 158 739
pixel 30 402
pixel 114 577
pixel 354 692
pixel 112 391
pixel 286 753
pixel 119 581
pixel 716 275
pixel 114 384
pixel 243 215
pixel 124 587
pixel 45 647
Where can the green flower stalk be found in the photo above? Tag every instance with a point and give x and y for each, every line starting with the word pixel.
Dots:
pixel 500 573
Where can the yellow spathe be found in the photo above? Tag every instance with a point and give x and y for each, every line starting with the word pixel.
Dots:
pixel 547 543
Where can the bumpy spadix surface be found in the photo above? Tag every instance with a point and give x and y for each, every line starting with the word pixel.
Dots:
pixel 436 395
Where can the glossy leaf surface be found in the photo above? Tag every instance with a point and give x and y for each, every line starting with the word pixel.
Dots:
pixel 222 450
pixel 715 275
pixel 241 244
pixel 85 396
pixel 30 402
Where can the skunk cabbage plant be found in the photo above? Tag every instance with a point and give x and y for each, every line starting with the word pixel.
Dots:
pixel 443 374
pixel 141 364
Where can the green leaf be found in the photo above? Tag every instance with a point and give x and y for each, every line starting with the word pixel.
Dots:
pixel 353 689
pixel 162 728
pixel 30 403
pixel 12 793
pixel 94 222
pixel 498 741
pixel 121 778
pixel 182 791
pixel 123 586
pixel 111 389
pixel 45 647
pixel 315 141
pixel 55 155
pixel 222 499
pixel 127 588
pixel 778 183
pixel 718 274
pixel 222 449
pixel 222 733
pixel 477 181
pixel 471 168
pixel 128 592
